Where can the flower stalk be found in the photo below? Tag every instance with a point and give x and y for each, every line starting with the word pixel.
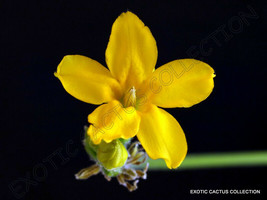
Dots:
pixel 198 161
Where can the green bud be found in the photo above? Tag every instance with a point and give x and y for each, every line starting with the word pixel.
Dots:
pixel 112 155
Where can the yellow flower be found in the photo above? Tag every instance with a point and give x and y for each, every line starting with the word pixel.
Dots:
pixel 132 89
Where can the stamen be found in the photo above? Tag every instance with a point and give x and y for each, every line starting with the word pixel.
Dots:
pixel 88 172
pixel 130 98
pixel 132 187
pixel 133 149
pixel 130 176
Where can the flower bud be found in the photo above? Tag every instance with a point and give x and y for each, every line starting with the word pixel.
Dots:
pixel 112 155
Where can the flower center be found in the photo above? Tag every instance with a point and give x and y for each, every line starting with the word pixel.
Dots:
pixel 130 98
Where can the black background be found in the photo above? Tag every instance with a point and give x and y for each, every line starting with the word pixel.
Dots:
pixel 39 119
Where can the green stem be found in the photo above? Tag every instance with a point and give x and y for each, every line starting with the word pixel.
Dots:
pixel 216 160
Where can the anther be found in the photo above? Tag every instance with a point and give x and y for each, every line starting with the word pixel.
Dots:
pixel 130 98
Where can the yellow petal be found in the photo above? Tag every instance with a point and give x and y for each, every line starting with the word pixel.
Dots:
pixel 111 121
pixel 87 80
pixel 181 83
pixel 162 136
pixel 131 53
